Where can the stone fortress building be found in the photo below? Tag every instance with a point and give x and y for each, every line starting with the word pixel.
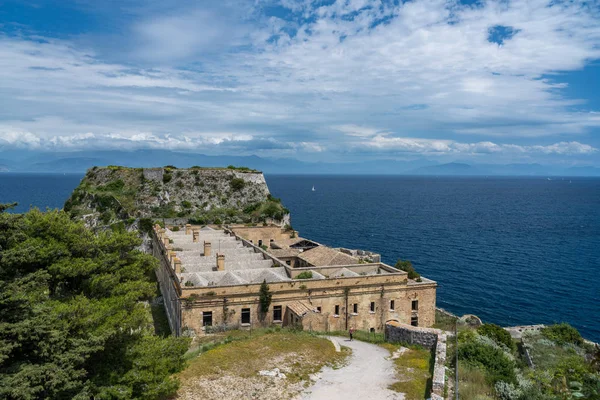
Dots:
pixel 210 279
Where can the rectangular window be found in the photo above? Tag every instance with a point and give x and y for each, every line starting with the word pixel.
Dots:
pixel 207 318
pixel 245 316
pixel 288 262
pixel 415 305
pixel 392 305
pixel 337 310
pixel 318 308
pixel 372 306
pixel 414 321
pixel 355 308
pixel 276 313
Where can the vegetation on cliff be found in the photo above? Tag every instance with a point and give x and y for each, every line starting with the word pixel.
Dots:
pixel 492 366
pixel 108 195
pixel 73 323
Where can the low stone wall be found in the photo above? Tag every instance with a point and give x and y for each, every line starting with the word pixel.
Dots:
pixel 433 339
pixel 401 333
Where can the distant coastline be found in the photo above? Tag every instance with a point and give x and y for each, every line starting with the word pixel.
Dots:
pixel 80 161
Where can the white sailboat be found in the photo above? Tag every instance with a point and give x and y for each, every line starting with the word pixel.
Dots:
pixel 313 189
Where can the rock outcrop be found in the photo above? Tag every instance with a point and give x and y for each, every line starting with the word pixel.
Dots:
pixel 107 195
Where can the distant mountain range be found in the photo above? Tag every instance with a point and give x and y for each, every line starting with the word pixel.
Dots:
pixel 79 162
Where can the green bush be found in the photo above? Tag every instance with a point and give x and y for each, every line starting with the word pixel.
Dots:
pixel 113 186
pixel 305 275
pixel 496 365
pixel 175 229
pixel 186 204
pixel 407 266
pixel 562 334
pixel 237 183
pixel 497 334
pixel 145 225
pixel 167 177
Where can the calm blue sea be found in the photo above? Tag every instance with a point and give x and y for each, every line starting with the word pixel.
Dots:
pixel 510 250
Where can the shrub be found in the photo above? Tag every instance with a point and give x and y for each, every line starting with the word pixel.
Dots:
pixel 497 366
pixel 304 275
pixel 407 266
pixel 186 204
pixel 113 186
pixel 497 334
pixel 507 391
pixel 237 183
pixel 179 184
pixel 167 177
pixel 175 229
pixel 189 283
pixel 562 334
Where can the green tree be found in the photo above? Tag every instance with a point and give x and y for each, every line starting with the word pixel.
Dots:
pixel 72 324
pixel 264 297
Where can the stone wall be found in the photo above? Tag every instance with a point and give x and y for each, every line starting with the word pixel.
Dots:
pixel 169 286
pixel 429 338
pixel 401 333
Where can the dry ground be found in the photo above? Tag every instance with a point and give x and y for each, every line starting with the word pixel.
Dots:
pixel 231 371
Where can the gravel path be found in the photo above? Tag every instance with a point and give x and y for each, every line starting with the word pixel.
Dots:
pixel 367 376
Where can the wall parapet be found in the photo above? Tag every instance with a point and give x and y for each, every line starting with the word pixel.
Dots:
pixel 433 339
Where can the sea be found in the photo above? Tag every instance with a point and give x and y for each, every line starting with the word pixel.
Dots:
pixel 510 250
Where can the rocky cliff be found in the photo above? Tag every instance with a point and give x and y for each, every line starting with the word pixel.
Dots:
pixel 107 195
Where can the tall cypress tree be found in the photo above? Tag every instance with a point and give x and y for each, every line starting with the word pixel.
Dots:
pixel 265 297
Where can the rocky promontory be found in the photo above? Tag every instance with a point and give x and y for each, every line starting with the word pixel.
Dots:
pixel 107 195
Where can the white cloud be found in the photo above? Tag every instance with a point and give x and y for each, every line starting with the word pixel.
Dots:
pixel 316 83
pixel 445 147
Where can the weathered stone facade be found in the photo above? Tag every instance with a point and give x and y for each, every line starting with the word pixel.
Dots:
pixel 373 295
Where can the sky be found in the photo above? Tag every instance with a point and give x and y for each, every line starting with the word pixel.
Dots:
pixel 334 81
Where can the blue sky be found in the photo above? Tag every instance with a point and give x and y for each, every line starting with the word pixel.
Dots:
pixel 493 82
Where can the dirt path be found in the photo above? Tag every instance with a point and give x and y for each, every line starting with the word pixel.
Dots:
pixel 367 376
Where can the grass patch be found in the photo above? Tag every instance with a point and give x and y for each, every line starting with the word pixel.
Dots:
pixel 472 383
pixel 241 354
pixel 546 354
pixel 414 369
pixel 444 321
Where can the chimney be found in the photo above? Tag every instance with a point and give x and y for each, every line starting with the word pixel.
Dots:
pixel 206 248
pixel 171 256
pixel 195 235
pixel 220 262
pixel 177 265
pixel 188 229
pixel 166 241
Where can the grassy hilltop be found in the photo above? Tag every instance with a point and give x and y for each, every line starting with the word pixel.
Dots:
pixel 203 195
